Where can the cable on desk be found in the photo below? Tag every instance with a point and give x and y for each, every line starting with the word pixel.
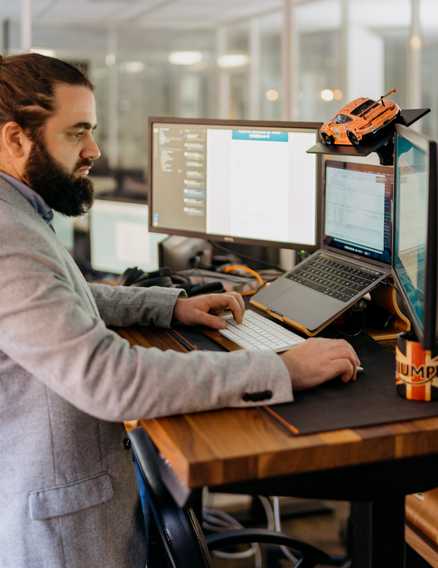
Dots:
pixel 241 268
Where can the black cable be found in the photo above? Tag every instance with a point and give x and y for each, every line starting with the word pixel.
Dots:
pixel 238 254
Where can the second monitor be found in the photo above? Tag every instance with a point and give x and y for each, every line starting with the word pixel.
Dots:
pixel 238 181
pixel 415 234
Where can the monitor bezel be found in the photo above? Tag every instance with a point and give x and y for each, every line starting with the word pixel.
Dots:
pixel 426 336
pixel 244 124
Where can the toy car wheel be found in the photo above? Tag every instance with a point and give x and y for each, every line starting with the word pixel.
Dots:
pixel 327 139
pixel 353 138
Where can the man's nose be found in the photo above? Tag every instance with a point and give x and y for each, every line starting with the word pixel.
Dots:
pixel 91 150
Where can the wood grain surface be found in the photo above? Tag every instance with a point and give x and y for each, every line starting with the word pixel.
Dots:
pixel 232 445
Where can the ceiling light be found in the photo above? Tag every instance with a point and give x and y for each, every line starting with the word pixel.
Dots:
pixel 338 94
pixel 233 60
pixel 272 95
pixel 132 66
pixel 327 95
pixel 185 57
pixel 415 41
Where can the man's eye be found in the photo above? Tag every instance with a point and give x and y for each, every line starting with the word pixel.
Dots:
pixel 77 135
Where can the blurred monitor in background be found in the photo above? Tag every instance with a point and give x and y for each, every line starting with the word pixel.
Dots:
pixel 64 229
pixel 119 237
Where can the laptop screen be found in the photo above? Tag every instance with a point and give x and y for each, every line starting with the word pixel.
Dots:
pixel 358 209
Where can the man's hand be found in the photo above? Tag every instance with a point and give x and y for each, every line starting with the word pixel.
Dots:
pixel 203 310
pixel 318 360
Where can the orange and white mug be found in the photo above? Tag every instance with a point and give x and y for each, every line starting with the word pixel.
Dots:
pixel 416 373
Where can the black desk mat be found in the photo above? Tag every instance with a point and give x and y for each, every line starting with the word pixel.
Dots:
pixel 371 400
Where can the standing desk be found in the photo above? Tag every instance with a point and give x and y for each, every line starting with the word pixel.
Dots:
pixel 246 451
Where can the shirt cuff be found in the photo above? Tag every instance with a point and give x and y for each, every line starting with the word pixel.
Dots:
pixel 172 295
pixel 270 384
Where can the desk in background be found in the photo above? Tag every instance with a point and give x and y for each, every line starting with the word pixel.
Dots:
pixel 245 451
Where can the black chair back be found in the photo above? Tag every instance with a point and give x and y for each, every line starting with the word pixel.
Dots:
pixel 179 531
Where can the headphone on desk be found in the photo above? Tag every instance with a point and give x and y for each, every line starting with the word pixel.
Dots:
pixel 165 277
pixel 136 277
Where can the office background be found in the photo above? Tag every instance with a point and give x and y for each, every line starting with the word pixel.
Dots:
pixel 234 59
pixel 258 59
pixel 238 59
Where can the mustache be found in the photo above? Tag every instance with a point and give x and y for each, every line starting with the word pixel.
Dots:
pixel 86 162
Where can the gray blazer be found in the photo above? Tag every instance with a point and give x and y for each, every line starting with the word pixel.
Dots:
pixel 67 490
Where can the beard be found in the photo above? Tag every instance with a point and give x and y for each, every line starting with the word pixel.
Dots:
pixel 68 194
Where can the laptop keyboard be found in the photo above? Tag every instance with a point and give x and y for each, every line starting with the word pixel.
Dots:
pixel 333 278
pixel 258 333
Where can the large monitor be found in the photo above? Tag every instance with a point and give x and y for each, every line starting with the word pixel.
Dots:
pixel 415 233
pixel 237 181
pixel 119 237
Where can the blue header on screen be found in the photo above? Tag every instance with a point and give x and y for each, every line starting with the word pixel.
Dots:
pixel 260 135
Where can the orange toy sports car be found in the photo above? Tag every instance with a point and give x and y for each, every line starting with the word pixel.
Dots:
pixel 359 121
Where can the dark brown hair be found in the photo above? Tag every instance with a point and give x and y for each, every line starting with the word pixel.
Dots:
pixel 27 88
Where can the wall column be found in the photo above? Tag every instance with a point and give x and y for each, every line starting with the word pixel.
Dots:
pixel 26 25
pixel 254 69
pixel 113 95
pixel 223 76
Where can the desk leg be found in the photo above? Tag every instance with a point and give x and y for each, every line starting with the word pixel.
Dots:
pixel 378 533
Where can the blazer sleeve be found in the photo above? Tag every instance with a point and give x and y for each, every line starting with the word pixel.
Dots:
pixel 48 329
pixel 128 305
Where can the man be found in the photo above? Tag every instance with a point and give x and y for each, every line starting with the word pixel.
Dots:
pixel 67 492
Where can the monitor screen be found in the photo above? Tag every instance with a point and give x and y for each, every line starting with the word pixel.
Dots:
pixel 415 232
pixel 64 229
pixel 119 237
pixel 249 182
pixel 358 209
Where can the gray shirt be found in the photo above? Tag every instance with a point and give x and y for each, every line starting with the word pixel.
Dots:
pixel 31 196
pixel 67 491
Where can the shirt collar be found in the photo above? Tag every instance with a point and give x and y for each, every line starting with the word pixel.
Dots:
pixel 31 196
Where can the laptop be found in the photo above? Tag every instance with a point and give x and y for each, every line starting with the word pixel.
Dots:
pixel 355 253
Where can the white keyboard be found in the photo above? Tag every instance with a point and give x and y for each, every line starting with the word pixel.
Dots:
pixel 257 333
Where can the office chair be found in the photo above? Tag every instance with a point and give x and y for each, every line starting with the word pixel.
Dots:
pixel 177 533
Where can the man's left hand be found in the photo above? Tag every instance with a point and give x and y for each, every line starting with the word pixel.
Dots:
pixel 206 309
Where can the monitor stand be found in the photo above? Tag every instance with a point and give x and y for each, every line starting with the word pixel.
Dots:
pixel 181 253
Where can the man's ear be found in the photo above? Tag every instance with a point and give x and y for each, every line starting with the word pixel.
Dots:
pixel 14 141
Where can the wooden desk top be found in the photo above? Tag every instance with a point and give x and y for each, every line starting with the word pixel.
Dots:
pixel 236 445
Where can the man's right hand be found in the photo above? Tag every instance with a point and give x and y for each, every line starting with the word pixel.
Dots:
pixel 318 360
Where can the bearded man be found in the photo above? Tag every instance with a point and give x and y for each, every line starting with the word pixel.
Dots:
pixel 67 488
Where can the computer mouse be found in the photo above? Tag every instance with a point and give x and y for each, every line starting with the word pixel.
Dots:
pixel 359 373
